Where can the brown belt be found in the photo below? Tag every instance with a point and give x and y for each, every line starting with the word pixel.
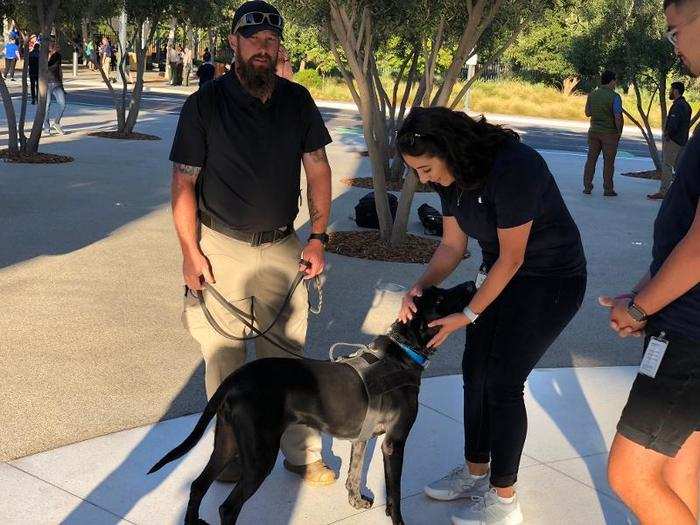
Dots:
pixel 253 238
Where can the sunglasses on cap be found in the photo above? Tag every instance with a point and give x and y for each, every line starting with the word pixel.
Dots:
pixel 410 138
pixel 257 18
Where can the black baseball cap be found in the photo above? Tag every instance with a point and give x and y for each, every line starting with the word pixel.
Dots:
pixel 252 25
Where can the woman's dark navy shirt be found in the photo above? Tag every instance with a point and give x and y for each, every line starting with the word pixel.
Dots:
pixel 519 189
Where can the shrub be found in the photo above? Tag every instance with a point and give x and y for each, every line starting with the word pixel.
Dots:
pixel 309 78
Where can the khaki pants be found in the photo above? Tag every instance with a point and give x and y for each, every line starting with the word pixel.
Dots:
pixel 107 66
pixel 255 280
pixel 607 143
pixel 670 151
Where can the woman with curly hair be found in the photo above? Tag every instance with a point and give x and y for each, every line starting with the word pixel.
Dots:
pixel 532 281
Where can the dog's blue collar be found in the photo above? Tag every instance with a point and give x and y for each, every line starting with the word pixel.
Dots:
pixel 416 357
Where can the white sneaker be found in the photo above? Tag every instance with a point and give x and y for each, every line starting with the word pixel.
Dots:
pixel 491 510
pixel 459 483
pixel 57 127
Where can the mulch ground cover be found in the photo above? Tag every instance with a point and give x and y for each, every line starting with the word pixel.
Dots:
pixel 391 185
pixel 365 244
pixel 34 158
pixel 651 175
pixel 123 136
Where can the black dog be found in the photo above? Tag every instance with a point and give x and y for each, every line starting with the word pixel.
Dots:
pixel 256 403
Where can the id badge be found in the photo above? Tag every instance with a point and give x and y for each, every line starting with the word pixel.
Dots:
pixel 654 354
pixel 481 277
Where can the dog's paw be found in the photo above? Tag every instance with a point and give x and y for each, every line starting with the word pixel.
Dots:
pixel 360 502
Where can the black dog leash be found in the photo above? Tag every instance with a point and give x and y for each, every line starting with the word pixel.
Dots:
pixel 249 320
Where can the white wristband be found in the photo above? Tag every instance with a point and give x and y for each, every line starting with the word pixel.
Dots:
pixel 471 315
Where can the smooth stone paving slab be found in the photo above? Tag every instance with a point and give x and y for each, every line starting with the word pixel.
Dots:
pixel 562 478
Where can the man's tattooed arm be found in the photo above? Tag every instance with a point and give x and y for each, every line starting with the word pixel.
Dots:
pixel 318 176
pixel 314 213
pixel 184 169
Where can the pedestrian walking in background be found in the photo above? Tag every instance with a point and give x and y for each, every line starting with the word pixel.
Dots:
pixel 206 72
pixel 175 60
pixel 206 57
pixel 676 132
pixel 106 57
pixel 11 58
pixel 33 67
pixel 187 62
pixel 55 90
pixel 654 464
pixel 604 107
pixel 90 55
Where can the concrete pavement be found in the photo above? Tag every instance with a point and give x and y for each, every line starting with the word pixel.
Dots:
pixel 572 418
pixel 91 285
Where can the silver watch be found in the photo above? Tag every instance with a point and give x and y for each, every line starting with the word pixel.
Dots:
pixel 471 315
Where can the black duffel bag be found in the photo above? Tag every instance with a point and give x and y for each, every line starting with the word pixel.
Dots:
pixel 366 211
pixel 431 219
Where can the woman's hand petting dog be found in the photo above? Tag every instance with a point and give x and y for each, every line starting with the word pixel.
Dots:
pixel 408 306
pixel 447 325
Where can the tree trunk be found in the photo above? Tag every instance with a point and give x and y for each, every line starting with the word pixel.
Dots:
pixel 141 43
pixel 212 42
pixel 361 84
pixel 135 104
pixel 695 119
pixel 11 117
pixel 84 29
pixel 37 125
pixel 46 12
pixel 398 234
pixel 23 107
pixel 569 85
pixel 170 44
pixel 645 127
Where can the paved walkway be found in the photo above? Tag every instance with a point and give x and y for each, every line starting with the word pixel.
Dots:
pixel 572 417
pixel 91 284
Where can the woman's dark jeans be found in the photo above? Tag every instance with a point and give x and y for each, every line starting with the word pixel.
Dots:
pixel 502 348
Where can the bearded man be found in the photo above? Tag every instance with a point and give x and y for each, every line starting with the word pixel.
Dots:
pixel 237 155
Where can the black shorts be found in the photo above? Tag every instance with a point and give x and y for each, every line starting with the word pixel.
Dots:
pixel 661 413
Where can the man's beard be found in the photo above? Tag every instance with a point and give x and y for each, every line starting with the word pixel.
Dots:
pixel 259 81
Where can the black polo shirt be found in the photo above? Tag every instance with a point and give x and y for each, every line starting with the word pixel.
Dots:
pixel 519 189
pixel 250 153
pixel 676 216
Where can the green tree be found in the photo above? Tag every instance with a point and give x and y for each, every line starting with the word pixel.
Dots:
pixel 422 33
pixel 143 17
pixel 307 46
pixel 629 38
pixel 36 16
pixel 542 52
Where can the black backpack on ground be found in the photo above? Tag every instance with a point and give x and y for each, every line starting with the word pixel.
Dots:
pixel 366 211
pixel 431 219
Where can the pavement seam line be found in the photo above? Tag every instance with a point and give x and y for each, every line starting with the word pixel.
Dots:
pixel 439 412
pixel 416 493
pixel 585 484
pixel 70 493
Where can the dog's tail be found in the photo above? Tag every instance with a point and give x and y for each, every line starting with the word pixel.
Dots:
pixel 197 433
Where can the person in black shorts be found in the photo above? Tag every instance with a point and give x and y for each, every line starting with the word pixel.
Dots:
pixel 499 191
pixel 654 464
